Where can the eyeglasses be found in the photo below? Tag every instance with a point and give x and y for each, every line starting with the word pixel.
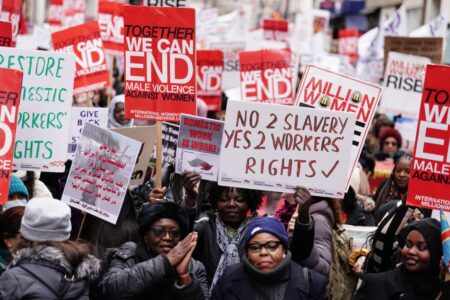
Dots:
pixel 270 246
pixel 160 231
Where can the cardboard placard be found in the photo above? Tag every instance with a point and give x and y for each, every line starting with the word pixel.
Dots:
pixel 110 20
pixel 81 115
pixel 147 136
pixel 159 63
pixel 85 42
pixel 430 167
pixel 198 148
pixel 56 13
pixel 324 89
pixel 266 76
pixel 431 47
pixel 275 30
pixel 277 147
pixel 5 34
pixel 403 81
pixel 231 62
pixel 100 172
pixel 10 89
pixel 44 116
pixel 209 77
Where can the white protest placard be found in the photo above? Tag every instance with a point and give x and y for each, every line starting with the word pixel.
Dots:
pixel 44 114
pixel 100 172
pixel 81 115
pixel 403 81
pixel 198 148
pixel 328 90
pixel 277 147
pixel 230 51
pixel 147 136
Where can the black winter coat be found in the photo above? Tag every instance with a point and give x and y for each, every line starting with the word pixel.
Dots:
pixel 235 284
pixel 44 273
pixel 128 278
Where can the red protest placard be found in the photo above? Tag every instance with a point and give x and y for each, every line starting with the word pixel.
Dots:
pixel 348 43
pixel 5 34
pixel 430 168
pixel 74 12
pixel 275 30
pixel 11 13
pixel 56 13
pixel 10 88
pixel 159 63
pixel 110 20
pixel 91 69
pixel 266 76
pixel 209 77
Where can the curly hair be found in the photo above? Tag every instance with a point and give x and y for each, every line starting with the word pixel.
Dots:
pixel 253 198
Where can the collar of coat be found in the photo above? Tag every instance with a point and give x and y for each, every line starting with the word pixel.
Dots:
pixel 88 268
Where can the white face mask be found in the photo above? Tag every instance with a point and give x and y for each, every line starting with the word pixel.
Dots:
pixel 14 203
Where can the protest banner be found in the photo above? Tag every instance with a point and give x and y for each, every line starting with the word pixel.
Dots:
pixel 430 167
pixel 147 136
pixel 10 12
pixel 56 13
pixel 403 81
pixel 5 34
pixel 230 62
pixel 167 3
pixel 275 147
pixel 160 80
pixel 198 148
pixel 44 114
pixel 275 30
pixel 79 116
pixel 85 42
pixel 348 43
pixel 100 173
pixel 110 20
pixel 431 47
pixel 324 89
pixel 209 77
pixel 10 89
pixel 266 76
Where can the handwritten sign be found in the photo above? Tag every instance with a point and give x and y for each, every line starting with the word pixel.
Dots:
pixel 44 114
pixel 100 172
pixel 276 147
pixel 10 12
pixel 80 115
pixel 5 34
pixel 403 81
pixel 430 169
pixel 147 136
pixel 324 89
pixel 10 88
pixel 198 148
pixel 85 42
pixel 110 20
pixel 231 62
pixel 209 77
pixel 266 76
pixel 275 30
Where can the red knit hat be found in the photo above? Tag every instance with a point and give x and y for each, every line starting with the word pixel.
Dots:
pixel 390 132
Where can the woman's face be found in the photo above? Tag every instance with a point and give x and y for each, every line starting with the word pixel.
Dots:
pixel 12 242
pixel 162 236
pixel 265 251
pixel 232 207
pixel 119 114
pixel 401 173
pixel 415 252
pixel 390 145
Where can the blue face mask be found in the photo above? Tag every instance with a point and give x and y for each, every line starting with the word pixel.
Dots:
pixel 14 203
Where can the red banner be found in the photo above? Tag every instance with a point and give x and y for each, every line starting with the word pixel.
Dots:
pixel 266 76
pixel 430 169
pixel 209 77
pixel 275 30
pixel 91 69
pixel 56 13
pixel 110 20
pixel 348 43
pixel 10 88
pixel 11 10
pixel 5 34
pixel 159 63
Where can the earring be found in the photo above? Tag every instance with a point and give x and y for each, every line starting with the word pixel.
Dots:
pixel 284 255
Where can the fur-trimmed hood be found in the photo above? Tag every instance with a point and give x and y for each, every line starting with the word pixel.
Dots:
pixel 89 268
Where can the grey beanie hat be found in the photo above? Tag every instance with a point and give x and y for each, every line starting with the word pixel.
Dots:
pixel 46 219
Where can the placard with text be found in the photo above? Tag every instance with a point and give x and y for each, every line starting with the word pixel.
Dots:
pixel 55 13
pixel 10 12
pixel 160 63
pixel 5 34
pixel 230 62
pixel 110 20
pixel 209 77
pixel 275 30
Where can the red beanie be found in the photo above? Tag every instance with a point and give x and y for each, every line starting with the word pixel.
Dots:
pixel 391 132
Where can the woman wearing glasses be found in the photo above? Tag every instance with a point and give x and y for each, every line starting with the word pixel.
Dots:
pixel 266 271
pixel 160 266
